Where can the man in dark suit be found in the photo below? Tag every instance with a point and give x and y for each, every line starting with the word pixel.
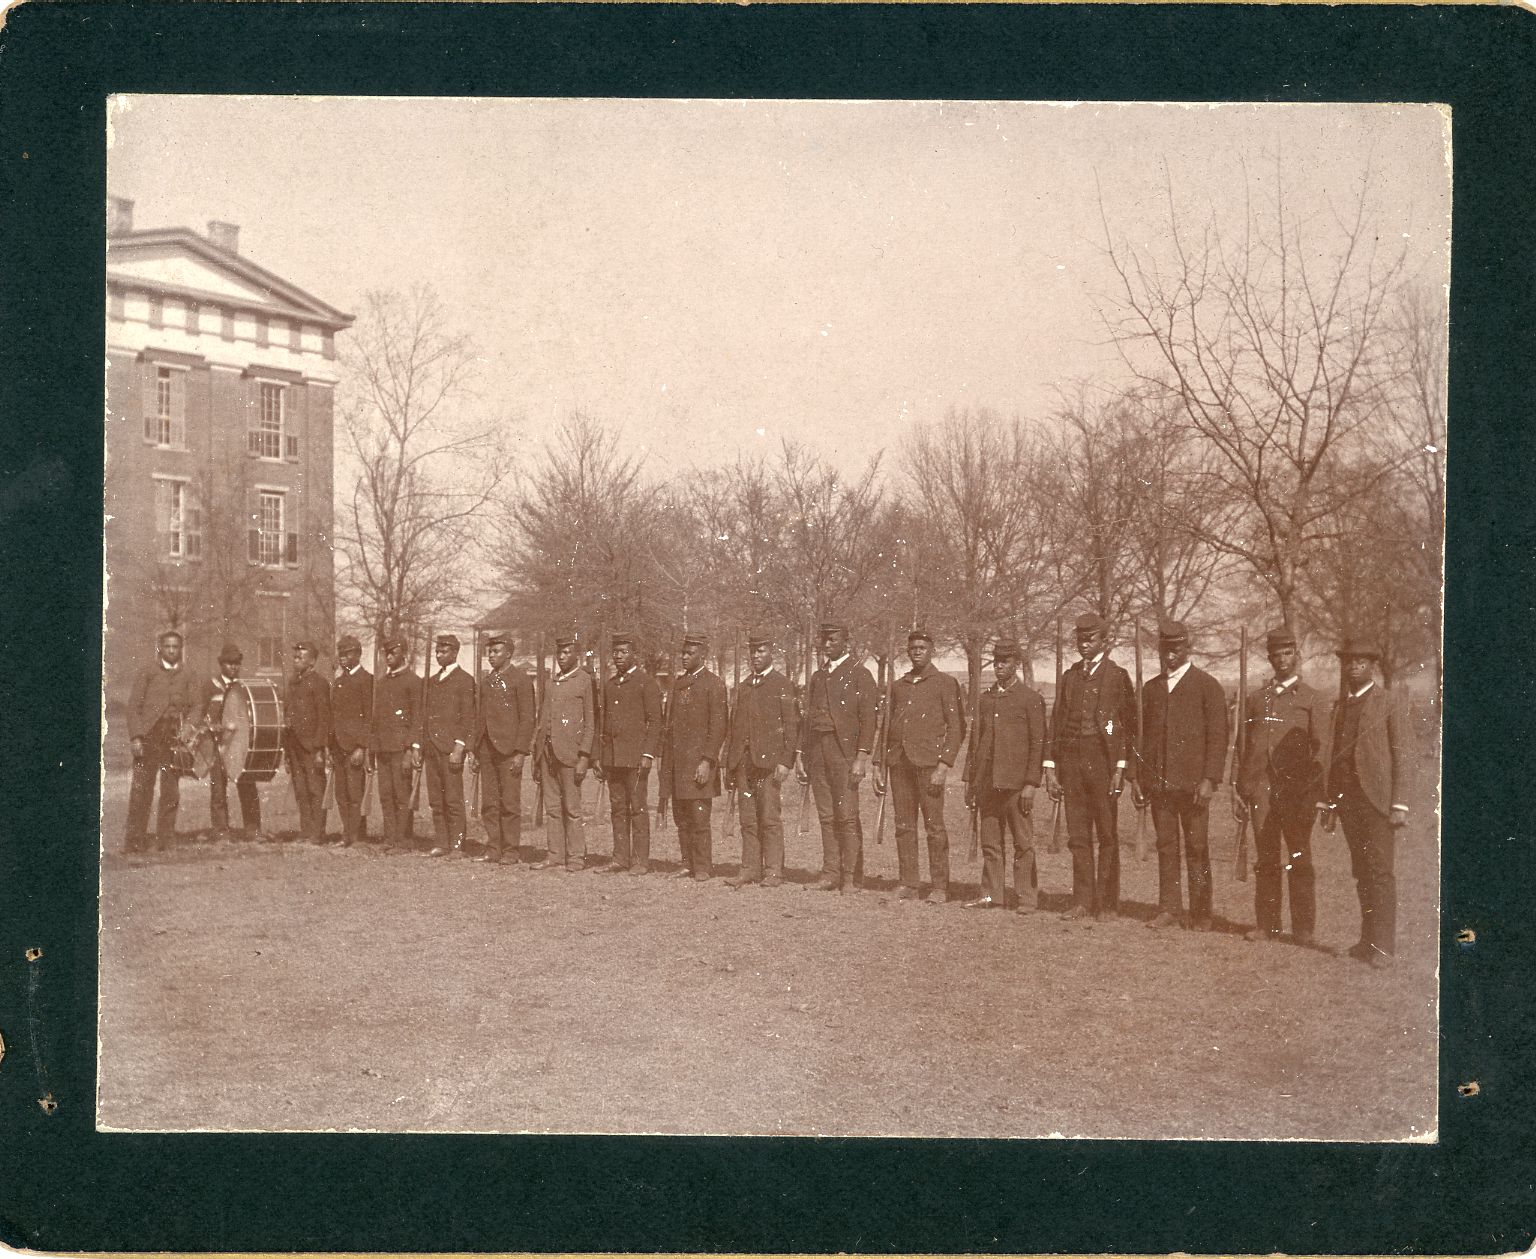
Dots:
pixel 692 740
pixel 1182 753
pixel 837 734
pixel 502 744
pixel 927 731
pixel 397 743
pixel 631 741
pixel 1368 757
pixel 765 727
pixel 230 660
pixel 351 722
pixel 1088 748
pixel 448 724
pixel 1002 771
pixel 308 734
pixel 566 734
pixel 163 697
pixel 1278 780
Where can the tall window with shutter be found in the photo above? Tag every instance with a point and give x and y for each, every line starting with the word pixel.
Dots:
pixel 178 520
pixel 265 438
pixel 165 410
pixel 270 543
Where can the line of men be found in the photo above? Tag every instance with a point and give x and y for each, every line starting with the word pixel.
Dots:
pixel 1300 762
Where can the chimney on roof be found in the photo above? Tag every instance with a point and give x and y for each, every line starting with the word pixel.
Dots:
pixel 119 216
pixel 225 235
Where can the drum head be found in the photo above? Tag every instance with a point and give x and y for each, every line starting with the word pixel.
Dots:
pixel 237 729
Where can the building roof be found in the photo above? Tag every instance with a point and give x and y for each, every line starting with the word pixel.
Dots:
pixel 181 262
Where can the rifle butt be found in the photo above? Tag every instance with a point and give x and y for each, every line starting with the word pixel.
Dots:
pixel 1055 826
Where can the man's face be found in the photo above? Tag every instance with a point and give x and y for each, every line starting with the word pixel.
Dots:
pixel 446 654
pixel 623 656
pixel 1003 670
pixel 1090 643
pixel 762 658
pixel 565 657
pixel 693 657
pixel 395 657
pixel 1283 661
pixel 834 643
pixel 303 659
pixel 231 668
pixel 498 654
pixel 919 652
pixel 1174 656
pixel 349 657
pixel 1357 671
pixel 170 649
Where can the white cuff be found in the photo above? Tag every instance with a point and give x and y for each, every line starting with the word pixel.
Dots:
pixel 1047 764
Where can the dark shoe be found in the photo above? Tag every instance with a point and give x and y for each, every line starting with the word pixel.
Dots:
pixel 438 852
pixel 1164 919
pixel 1360 951
pixel 983 902
pixel 905 893
pixel 773 880
pixel 737 880
pixel 489 858
pixel 826 884
pixel 850 887
pixel 1077 911
pixel 1382 961
pixel 1304 939
pixel 1201 924
pixel 1261 935
pixel 938 896
pixel 576 867
pixel 684 873
pixel 701 876
pixel 1105 915
pixel 1026 907
pixel 638 871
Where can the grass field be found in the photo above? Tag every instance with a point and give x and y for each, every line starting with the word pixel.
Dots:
pixel 250 986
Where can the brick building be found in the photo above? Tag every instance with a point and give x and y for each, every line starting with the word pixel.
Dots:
pixel 219 446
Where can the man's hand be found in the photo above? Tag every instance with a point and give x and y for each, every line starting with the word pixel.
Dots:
pixel 320 759
pixel 137 745
pixel 702 773
pixel 859 768
pixel 780 773
pixel 939 777
pixel 583 764
pixel 359 758
pixel 1325 816
pixel 800 771
pixel 1052 783
pixel 645 766
pixel 1027 800
pixel 1239 808
pixel 1116 783
pixel 456 757
pixel 597 771
pixel 415 758
pixel 518 761
pixel 1204 790
pixel 1399 815
pixel 970 795
pixel 1138 796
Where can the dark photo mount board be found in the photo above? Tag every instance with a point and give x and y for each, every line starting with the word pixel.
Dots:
pixel 64 1186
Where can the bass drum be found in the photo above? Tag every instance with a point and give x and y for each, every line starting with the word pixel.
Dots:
pixel 253 731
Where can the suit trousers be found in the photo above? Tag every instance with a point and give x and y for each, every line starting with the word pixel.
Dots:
pixel 218 800
pixel 693 835
pixel 837 807
pixel 394 776
pixel 351 782
pixel 141 792
pixel 1282 841
pixel 308 792
pixel 910 791
pixel 1093 823
pixel 630 816
pixel 501 800
pixel 1372 842
pixel 565 831
pixel 445 793
pixel 1175 815
pixel 760 804
pixel 1004 811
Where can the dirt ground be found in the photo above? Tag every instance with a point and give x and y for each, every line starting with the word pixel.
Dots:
pixel 256 986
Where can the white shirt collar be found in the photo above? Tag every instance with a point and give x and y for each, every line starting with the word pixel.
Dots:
pixel 395 673
pixel 222 680
pixel 568 674
pixel 1177 675
pixel 1362 690
pixel 1092 666
pixel 1281 687
pixel 834 665
pixel 168 667
pixel 447 669
pixel 354 669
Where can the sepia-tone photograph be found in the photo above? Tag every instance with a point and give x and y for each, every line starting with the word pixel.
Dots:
pixel 762 617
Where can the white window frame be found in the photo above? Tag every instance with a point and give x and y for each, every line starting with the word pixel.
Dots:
pixel 256 441
pixel 271 544
pixel 178 525
pixel 170 428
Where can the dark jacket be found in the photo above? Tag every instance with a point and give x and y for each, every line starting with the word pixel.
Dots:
pixel 765 723
pixel 1282 732
pixel 397 714
pixel 849 695
pixel 157 693
pixel 927 718
pixel 1114 716
pixel 1382 749
pixel 569 718
pixel 307 711
pixel 1184 738
pixel 631 719
pixel 695 731
pixel 506 711
pixel 351 709
pixel 1008 744
pixel 449 715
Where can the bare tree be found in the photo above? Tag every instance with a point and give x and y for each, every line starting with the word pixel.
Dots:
pixel 423 475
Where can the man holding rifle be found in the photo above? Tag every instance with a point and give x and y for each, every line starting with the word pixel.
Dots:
pixel 925 733
pixel 351 722
pixel 765 729
pixel 566 731
pixel 631 739
pixel 1085 764
pixel 448 722
pixel 1278 778
pixel 306 736
pixel 690 757
pixel 396 743
pixel 502 743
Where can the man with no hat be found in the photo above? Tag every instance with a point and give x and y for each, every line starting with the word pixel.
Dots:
pixel 837 734
pixel 1278 780
pixel 351 723
pixel 566 732
pixel 692 739
pixel 1367 756
pixel 502 744
pixel 927 731
pixel 1002 770
pixel 163 696
pixel 397 742
pixel 448 724
pixel 306 737
pixel 765 731
pixel 631 742
pixel 1087 752
pixel 1183 750
pixel 214 691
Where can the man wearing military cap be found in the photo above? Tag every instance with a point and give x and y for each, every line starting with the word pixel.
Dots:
pixel 228 672
pixel 692 739
pixel 502 744
pixel 448 725
pixel 163 697
pixel 631 742
pixel 1002 771
pixel 351 721
pixel 397 742
pixel 306 737
pixel 1368 758
pixel 837 734
pixel 1183 750
pixel 765 728
pixel 926 733
pixel 1278 780
pixel 566 733
pixel 1087 752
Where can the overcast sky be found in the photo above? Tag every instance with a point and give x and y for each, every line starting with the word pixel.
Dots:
pixel 715 275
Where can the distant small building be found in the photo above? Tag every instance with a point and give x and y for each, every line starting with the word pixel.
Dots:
pixel 219 448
